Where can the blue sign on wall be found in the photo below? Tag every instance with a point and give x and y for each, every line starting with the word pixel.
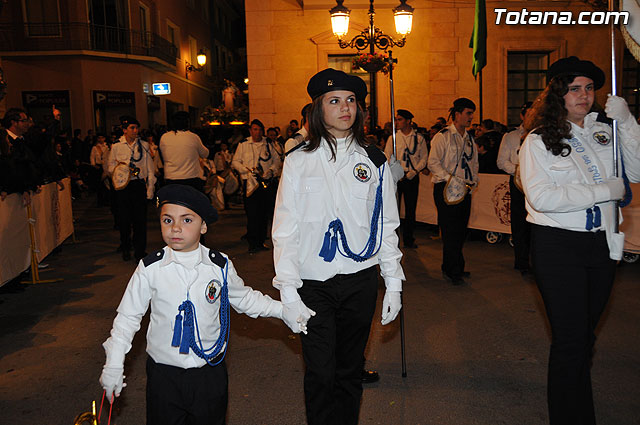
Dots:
pixel 161 88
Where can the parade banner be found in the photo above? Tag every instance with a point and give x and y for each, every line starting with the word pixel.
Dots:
pixel 491 208
pixel 53 223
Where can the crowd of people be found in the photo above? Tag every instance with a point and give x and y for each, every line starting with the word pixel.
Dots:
pixel 322 186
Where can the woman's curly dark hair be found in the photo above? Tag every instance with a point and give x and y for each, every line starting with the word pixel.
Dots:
pixel 548 116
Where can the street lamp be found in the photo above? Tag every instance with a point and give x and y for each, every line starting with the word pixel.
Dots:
pixel 371 37
pixel 201 58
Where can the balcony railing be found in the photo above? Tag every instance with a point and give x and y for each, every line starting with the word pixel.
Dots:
pixel 81 36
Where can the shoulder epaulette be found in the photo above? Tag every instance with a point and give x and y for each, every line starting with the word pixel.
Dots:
pixel 444 130
pixel 375 155
pixel 153 257
pixel 296 147
pixel 217 258
pixel 604 119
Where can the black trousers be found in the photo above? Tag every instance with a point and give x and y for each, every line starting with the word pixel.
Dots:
pixel 408 189
pixel 452 220
pixel 574 275
pixel 177 396
pixel 256 207
pixel 132 214
pixel 195 183
pixel 333 349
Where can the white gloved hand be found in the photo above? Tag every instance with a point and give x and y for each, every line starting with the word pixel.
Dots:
pixel 112 380
pixel 391 305
pixel 397 172
pixel 410 174
pixel 617 109
pixel 296 315
pixel 616 188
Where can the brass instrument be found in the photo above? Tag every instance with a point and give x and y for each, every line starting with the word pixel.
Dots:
pixel 258 173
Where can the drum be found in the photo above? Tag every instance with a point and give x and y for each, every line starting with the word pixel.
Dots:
pixel 631 31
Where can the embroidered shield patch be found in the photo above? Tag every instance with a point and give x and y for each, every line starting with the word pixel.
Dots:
pixel 362 172
pixel 212 292
pixel 601 137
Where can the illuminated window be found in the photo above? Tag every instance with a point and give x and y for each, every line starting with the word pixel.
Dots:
pixel 344 63
pixel 631 82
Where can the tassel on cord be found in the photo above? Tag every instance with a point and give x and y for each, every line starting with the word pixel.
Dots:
pixel 597 222
pixel 332 248
pixel 589 224
pixel 186 334
pixel 177 331
pixel 325 245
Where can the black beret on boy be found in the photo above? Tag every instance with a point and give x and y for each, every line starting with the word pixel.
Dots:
pixel 461 103
pixel 579 68
pixel 188 197
pixel 405 114
pixel 127 120
pixel 330 80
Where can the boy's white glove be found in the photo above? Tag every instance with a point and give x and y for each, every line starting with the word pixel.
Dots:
pixel 112 380
pixel 391 305
pixel 296 315
pixel 397 172
pixel 617 109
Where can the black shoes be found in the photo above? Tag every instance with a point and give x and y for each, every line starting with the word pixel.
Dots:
pixel 369 376
pixel 258 248
pixel 456 281
pixel 411 245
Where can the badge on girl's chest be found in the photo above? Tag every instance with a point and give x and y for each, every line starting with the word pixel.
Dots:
pixel 212 292
pixel 362 172
pixel 601 137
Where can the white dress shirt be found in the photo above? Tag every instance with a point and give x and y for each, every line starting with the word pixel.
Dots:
pixel 446 152
pixel 249 154
pixel 315 190
pixel 412 163
pixel 557 193
pixel 126 153
pixel 164 285
pixel 509 148
pixel 181 153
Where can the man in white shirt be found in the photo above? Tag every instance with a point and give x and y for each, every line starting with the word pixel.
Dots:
pixel 453 156
pixel 508 162
pixel 412 153
pixel 181 151
pixel 257 163
pixel 131 201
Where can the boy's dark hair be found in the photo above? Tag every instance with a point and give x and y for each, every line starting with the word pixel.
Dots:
pixel 180 121
pixel 258 123
pixel 13 114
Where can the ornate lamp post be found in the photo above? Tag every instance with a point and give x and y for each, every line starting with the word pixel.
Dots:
pixel 371 37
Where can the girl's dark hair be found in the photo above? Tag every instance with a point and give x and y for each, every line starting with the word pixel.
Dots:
pixel 318 129
pixel 548 116
pixel 180 121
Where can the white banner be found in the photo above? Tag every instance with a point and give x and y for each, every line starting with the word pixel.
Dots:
pixel 491 203
pixel 51 209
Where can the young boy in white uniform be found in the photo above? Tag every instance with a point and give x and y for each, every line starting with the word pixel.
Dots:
pixel 186 373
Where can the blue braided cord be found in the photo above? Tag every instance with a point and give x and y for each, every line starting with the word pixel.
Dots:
pixel 223 338
pixel 628 195
pixel 373 245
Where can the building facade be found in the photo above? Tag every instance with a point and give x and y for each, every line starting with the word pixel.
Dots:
pixel 98 59
pixel 290 40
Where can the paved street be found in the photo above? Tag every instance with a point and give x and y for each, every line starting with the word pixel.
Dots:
pixel 475 354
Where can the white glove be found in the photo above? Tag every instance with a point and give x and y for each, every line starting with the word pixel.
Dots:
pixel 410 174
pixel 391 305
pixel 112 380
pixel 617 109
pixel 397 172
pixel 616 188
pixel 296 315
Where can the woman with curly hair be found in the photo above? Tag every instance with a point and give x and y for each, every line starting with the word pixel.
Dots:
pixel 567 173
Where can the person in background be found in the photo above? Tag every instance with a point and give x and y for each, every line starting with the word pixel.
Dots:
pixel 567 173
pixel 508 162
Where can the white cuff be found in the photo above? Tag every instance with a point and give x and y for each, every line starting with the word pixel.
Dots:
pixel 601 193
pixel 289 294
pixel 393 284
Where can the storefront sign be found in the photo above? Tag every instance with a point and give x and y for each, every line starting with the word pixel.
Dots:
pixel 59 98
pixel 114 98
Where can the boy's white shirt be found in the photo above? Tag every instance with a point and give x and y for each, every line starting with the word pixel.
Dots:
pixel 164 285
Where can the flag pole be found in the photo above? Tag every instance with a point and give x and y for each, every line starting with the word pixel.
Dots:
pixel 614 92
pixel 480 93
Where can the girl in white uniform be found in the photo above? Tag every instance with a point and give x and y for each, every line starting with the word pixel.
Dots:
pixel 334 222
pixel 566 167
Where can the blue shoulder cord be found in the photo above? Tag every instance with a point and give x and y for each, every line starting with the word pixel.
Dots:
pixel 407 152
pixel 330 243
pixel 183 335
